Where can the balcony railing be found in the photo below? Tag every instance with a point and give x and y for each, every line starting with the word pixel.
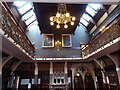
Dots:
pixel 108 35
pixel 12 29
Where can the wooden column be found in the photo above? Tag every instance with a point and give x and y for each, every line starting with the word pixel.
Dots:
pixel 118 75
pixel 11 80
pixel 65 72
pixel 51 74
pixel 73 70
pixel 0 79
pixel 36 74
pixel 0 56
pixel 104 80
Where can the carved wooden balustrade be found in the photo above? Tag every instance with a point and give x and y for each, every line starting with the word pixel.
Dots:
pixel 109 34
pixel 13 30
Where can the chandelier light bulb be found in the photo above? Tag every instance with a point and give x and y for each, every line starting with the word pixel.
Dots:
pixel 51 18
pixel 51 23
pixel 72 23
pixel 67 14
pixel 58 26
pixel 58 15
pixel 65 26
pixel 73 18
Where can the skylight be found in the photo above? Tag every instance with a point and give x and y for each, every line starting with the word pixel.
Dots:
pixel 25 8
pixel 95 6
pixel 83 21
pixel 19 4
pixel 35 22
pixel 30 20
pixel 86 17
pixel 28 15
pixel 90 10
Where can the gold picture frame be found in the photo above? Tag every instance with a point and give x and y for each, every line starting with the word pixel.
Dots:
pixel 66 40
pixel 47 40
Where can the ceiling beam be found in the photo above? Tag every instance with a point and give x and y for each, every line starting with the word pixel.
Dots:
pixel 73 1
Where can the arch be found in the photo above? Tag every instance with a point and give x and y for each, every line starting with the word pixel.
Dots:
pixel 6 60
pixel 114 60
pixel 13 68
pixel 108 63
pixel 89 67
pixel 102 72
pixel 99 64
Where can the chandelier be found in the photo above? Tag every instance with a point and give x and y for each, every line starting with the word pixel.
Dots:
pixel 62 17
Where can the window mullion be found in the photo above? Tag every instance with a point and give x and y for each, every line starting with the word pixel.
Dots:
pixel 82 24
pixel 27 11
pixel 23 5
pixel 31 22
pixel 93 21
pixel 86 20
pixel 28 17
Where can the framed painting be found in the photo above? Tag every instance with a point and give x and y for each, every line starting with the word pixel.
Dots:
pixel 66 40
pixel 47 40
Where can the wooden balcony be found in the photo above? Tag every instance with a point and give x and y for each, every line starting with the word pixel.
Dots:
pixel 107 36
pixel 12 29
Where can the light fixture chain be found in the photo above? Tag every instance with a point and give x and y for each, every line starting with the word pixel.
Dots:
pixel 62 8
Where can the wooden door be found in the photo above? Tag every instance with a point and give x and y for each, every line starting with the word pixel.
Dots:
pixel 78 83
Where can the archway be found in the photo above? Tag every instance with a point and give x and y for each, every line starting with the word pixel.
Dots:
pixel 80 75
